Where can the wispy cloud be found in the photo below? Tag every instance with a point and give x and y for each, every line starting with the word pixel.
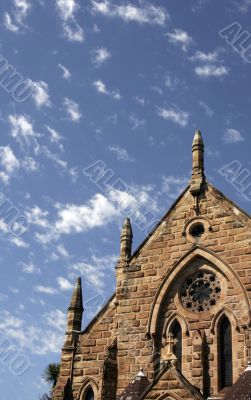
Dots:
pixel 172 186
pixel 34 337
pixel 210 57
pixel 121 153
pixel 243 5
pixel 100 56
pixel 8 159
pixel 67 11
pixel 143 14
pixel 72 109
pixel 175 115
pixel 140 100
pixel 95 270
pixel 232 136
pixel 136 122
pixel 15 20
pixel 101 88
pixel 40 93
pixel 22 130
pixel 45 289
pixel 29 268
pixel 180 37
pixel 55 136
pixel 66 74
pixel 64 284
pixel 208 70
pixel 208 111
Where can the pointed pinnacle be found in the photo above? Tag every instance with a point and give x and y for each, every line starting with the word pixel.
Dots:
pixel 197 137
pixel 77 299
pixel 127 229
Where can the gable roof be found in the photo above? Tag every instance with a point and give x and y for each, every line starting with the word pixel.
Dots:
pixel 136 388
pixel 242 387
pixel 143 243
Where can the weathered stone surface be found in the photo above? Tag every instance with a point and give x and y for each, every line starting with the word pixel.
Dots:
pixel 150 285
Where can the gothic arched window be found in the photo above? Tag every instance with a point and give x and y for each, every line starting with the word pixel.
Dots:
pixel 225 353
pixel 176 330
pixel 89 394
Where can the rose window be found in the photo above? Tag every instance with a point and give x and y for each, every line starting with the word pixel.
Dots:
pixel 200 291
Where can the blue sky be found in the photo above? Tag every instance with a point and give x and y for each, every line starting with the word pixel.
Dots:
pixel 124 84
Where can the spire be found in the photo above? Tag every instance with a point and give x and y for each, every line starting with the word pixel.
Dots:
pixel 76 300
pixel 198 155
pixel 141 372
pixel 75 310
pixel 198 177
pixel 126 240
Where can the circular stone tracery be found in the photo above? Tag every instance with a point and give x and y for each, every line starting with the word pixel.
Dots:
pixel 200 291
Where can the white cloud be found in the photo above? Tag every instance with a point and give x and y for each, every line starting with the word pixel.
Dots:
pixel 45 289
pixel 66 73
pixel 9 24
pixel 29 268
pixel 205 57
pixel 33 338
pixel 136 122
pixel 22 129
pixel 172 186
pixel 56 319
pixel 96 270
pixel 40 93
pixel 211 70
pixel 29 164
pixel 140 100
pixel 37 217
pixel 11 164
pixel 177 116
pixel 74 218
pixel 99 56
pixel 19 242
pixel 180 37
pixel 243 5
pixel 121 154
pixel 171 82
pixel 67 8
pixel 72 109
pixel 67 11
pixel 233 136
pixel 4 177
pixel 101 88
pixel 208 111
pixel 55 137
pixel 15 21
pixel 8 159
pixel 64 284
pixel 55 158
pixel 144 14
pixel 62 251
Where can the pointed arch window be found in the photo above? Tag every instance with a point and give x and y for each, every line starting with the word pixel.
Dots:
pixel 176 330
pixel 225 353
pixel 89 394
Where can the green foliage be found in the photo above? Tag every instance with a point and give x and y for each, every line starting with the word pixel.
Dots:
pixel 51 374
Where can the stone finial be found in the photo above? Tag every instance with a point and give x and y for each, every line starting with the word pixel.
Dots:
pixel 126 240
pixel 75 310
pixel 198 176
pixel 77 300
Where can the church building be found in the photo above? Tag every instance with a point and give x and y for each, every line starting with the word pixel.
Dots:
pixel 179 324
